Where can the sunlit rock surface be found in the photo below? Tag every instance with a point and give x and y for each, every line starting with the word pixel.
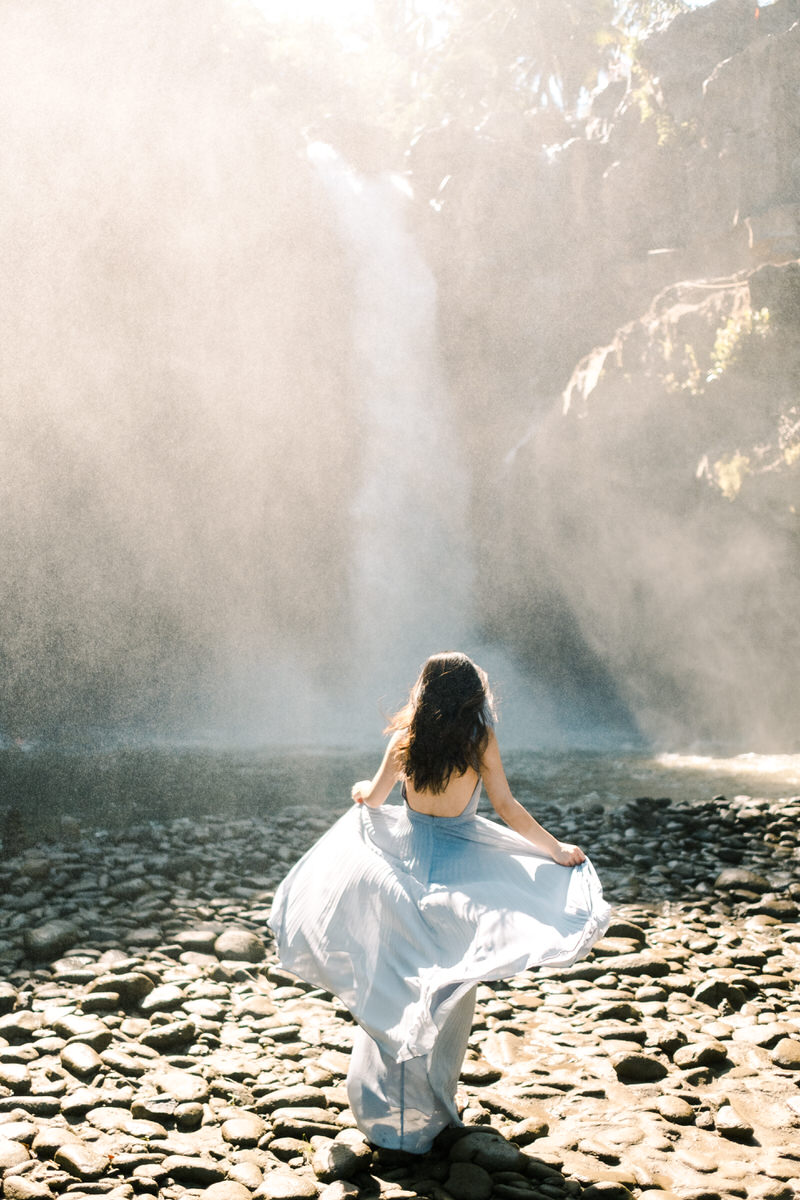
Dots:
pixel 662 503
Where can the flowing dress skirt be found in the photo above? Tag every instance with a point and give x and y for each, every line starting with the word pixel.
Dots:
pixel 401 915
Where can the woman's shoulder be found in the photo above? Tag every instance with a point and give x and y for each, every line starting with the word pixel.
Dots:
pixel 491 748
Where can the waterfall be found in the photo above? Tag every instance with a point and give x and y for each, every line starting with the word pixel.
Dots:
pixel 412 572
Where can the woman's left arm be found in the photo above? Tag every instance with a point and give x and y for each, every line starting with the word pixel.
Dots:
pixel 373 792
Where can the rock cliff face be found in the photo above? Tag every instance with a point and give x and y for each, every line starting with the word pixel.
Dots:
pixel 692 170
pixel 663 505
pixel 650 516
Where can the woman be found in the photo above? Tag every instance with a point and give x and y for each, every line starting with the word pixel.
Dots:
pixel 402 911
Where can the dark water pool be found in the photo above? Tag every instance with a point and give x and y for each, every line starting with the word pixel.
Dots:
pixel 113 788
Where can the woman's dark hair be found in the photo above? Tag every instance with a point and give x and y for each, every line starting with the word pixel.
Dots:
pixel 444 727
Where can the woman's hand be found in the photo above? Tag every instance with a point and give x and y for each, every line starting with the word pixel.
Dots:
pixel 567 855
pixel 361 790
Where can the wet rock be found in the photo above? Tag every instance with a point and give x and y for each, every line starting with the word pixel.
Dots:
pixel 12 1154
pixel 19 1027
pixel 78 1102
pixel 468 1181
pixel 340 1190
pixel 254 1006
pixel 81 1060
pixel 716 992
pixel 731 1125
pixel 227 1189
pixel 528 1130
pixel 88 1030
pixel 170 1036
pixel 673 1108
pixel 787 1054
pixel 182 1086
pixel 166 998
pixel 8 997
pixel 303 1122
pixel 124 1063
pixel 701 1054
pixel 24 1187
pixel 283 1184
pixel 299 1096
pixel 239 945
pixel 188 1116
pixel 489 1150
pixel 645 963
pixel 249 1174
pixel 47 941
pixel 153 1108
pixel 607 1190
pixel 331 1160
pixel 738 879
pixel 638 1068
pixel 36 1105
pixel 287 1148
pixel 81 1160
pixel 201 941
pixel 15 1077
pixel 246 1130
pixel 193 1171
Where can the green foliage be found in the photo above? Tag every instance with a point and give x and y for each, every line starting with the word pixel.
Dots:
pixel 728 473
pixel 410 68
pixel 730 342
pixel 731 338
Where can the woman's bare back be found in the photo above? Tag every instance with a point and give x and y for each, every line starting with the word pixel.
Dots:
pixel 449 803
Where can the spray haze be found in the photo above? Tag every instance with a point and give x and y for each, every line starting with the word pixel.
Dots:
pixel 258 400
pixel 174 444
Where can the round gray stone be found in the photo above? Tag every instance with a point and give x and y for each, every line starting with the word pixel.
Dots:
pixel 638 1068
pixel 239 945
pixel 787 1054
pixel 283 1184
pixel 12 1154
pixel 468 1181
pixel 489 1150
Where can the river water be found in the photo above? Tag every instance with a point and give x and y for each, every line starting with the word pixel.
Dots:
pixel 125 785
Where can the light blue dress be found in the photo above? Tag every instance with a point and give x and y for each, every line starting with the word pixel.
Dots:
pixel 401 915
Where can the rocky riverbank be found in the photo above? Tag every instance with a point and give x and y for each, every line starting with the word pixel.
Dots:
pixel 150 1044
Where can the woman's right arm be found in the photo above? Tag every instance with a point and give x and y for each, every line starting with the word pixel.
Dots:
pixel 373 792
pixel 517 817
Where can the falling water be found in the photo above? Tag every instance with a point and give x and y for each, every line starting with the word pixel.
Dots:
pixel 411 578
pixel 413 569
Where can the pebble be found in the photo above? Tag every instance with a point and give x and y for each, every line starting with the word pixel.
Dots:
pixel 158 1048
pixel 12 1153
pixel 638 1068
pixel 731 1125
pixel 332 1160
pixel 787 1054
pixel 81 1160
pixel 469 1181
pixel 286 1185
